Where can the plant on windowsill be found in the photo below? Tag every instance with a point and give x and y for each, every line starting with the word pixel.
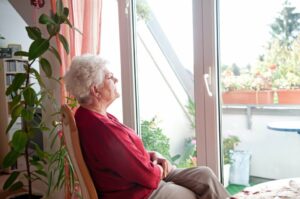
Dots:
pixel 246 88
pixel 41 165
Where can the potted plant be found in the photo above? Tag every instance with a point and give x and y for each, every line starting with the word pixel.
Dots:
pixel 246 88
pixel 229 144
pixel 26 102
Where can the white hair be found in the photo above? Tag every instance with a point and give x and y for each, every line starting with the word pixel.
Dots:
pixel 85 71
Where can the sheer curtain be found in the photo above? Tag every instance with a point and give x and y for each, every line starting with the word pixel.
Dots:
pixel 84 15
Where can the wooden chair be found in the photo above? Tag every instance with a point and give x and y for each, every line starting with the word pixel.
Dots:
pixel 70 131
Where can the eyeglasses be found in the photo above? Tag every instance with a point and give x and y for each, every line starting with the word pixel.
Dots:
pixel 109 76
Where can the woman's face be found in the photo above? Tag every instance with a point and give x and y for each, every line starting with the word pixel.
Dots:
pixel 109 90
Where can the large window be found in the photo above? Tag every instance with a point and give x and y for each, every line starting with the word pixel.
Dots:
pixel 164 49
pixel 110 48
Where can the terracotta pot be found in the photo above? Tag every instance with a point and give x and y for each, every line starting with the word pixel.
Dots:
pixel 248 97
pixel 289 96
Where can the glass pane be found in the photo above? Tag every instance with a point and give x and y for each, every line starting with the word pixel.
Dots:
pixel 164 52
pixel 259 64
pixel 110 48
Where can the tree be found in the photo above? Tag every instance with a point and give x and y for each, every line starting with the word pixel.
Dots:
pixel 287 25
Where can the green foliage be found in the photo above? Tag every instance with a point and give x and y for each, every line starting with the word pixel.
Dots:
pixel 36 159
pixel 229 144
pixel 283 62
pixel 282 57
pixel 287 25
pixel 1 37
pixel 186 158
pixel 154 139
pixel 143 10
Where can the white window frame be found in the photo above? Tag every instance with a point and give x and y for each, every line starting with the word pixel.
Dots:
pixel 207 125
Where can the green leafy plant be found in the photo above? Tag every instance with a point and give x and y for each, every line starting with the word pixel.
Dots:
pixel 286 26
pixel 25 104
pixel 189 156
pixel 229 143
pixel 1 37
pixel 154 139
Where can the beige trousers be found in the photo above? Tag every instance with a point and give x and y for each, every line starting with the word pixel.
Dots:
pixel 191 183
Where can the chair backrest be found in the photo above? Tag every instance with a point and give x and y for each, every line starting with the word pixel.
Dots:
pixel 70 131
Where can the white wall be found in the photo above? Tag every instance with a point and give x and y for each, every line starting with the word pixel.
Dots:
pixel 12 27
pixel 274 154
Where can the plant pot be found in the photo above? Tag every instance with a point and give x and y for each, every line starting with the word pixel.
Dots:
pixel 226 171
pixel 248 97
pixel 289 96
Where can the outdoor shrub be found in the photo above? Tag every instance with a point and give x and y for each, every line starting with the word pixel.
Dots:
pixel 189 155
pixel 229 144
pixel 154 139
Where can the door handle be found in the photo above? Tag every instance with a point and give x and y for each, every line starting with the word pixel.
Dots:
pixel 207 81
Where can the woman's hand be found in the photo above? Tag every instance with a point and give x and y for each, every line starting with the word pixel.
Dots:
pixel 153 155
pixel 158 159
pixel 166 165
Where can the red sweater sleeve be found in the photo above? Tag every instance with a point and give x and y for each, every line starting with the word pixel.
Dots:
pixel 123 153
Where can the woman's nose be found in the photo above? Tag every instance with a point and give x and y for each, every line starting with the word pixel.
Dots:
pixel 115 80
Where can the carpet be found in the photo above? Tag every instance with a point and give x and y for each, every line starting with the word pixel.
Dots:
pixel 276 189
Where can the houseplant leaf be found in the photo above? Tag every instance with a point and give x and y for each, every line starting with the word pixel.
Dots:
pixel 55 53
pixel 27 114
pixel 38 77
pixel 10 159
pixel 21 53
pixel 34 33
pixel 66 12
pixel 53 29
pixel 16 100
pixel 11 123
pixel 11 179
pixel 16 83
pixel 46 67
pixel 29 96
pixel 16 111
pixel 37 48
pixel 45 19
pixel 64 42
pixel 16 186
pixel 59 7
pixel 19 141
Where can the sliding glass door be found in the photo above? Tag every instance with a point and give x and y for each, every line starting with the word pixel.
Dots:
pixel 259 64
pixel 165 78
pixel 167 56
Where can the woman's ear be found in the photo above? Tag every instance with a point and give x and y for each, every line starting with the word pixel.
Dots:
pixel 95 91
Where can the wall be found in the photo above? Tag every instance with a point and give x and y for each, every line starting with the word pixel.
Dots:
pixel 274 154
pixel 12 27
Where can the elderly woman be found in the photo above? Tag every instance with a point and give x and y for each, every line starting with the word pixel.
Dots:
pixel 119 164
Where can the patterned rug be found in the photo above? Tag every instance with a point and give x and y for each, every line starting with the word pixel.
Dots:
pixel 277 189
